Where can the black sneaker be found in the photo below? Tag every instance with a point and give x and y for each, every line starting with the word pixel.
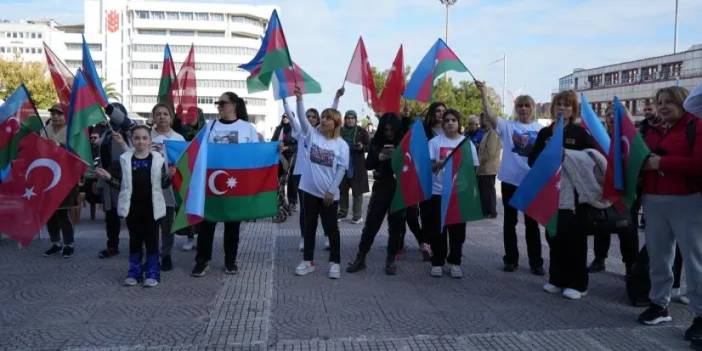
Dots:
pixel 107 253
pixel 390 268
pixel 694 332
pixel 597 265
pixel 231 268
pixel 654 315
pixel 166 263
pixel 67 251
pixel 52 250
pixel 200 269
pixel 539 270
pixel 510 267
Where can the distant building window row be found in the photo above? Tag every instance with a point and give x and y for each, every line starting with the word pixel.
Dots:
pixel 181 33
pixel 180 16
pixel 635 75
pixel 200 66
pixel 201 83
pixel 203 100
pixel 74 64
pixel 16 50
pixel 246 20
pixel 23 35
pixel 207 50
pixel 79 46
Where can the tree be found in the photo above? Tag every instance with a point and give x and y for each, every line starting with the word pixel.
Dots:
pixel 465 97
pixel 111 92
pixel 34 76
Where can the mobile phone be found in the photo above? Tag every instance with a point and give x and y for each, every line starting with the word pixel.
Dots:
pixel 388 146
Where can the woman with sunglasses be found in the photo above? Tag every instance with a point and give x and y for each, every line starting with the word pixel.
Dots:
pixel 327 160
pixel 231 127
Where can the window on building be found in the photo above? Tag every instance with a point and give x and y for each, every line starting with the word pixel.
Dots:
pixel 202 16
pixel 144 99
pixel 158 15
pixel 611 78
pixel 151 32
pixel 595 80
pixel 142 14
pixel 21 35
pixel 671 70
pixel 183 33
pixel 630 76
pixel 38 35
pixel 34 35
pixel 40 50
pixel 172 15
pixel 2 49
pixel 186 16
pixel 217 17
pixel 210 34
pixel 649 73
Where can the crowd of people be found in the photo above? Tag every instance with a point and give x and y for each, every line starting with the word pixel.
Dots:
pixel 325 155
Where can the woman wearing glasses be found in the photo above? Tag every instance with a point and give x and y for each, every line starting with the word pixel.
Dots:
pixel 231 127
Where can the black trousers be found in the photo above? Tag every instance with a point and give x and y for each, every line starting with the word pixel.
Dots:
pixel 412 220
pixel 59 223
pixel 533 235
pixel 205 238
pixel 143 232
pixel 378 207
pixel 446 243
pixel 293 182
pixel 314 208
pixel 568 250
pixel 628 245
pixel 488 194
pixel 112 226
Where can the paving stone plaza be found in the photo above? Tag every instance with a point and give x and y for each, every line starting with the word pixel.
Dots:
pixel 78 304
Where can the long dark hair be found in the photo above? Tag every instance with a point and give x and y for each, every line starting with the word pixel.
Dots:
pixel 379 138
pixel 430 117
pixel 239 107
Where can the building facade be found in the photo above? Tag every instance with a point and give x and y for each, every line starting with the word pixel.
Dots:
pixel 127 39
pixel 635 82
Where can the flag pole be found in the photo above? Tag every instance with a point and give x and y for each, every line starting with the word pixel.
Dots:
pixel 34 106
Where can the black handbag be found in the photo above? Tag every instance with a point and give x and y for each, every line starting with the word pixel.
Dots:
pixel 607 221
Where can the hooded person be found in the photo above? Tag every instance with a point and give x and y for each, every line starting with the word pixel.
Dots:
pixel 356 178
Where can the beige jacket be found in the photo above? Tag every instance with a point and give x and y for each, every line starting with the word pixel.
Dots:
pixel 489 152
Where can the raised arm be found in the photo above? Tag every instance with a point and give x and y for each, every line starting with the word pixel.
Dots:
pixel 302 123
pixel 294 122
pixel 337 97
pixel 492 117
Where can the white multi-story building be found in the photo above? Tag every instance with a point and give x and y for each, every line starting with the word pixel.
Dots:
pixel 635 82
pixel 127 39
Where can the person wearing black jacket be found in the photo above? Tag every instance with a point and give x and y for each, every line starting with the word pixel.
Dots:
pixel 379 160
pixel 568 253
pixel 283 133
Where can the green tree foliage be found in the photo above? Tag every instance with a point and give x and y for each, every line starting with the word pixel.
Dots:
pixel 111 92
pixel 34 75
pixel 463 97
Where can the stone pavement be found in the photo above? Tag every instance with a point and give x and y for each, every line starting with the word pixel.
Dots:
pixel 78 303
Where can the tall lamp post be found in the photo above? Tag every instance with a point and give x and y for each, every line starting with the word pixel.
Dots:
pixel 504 79
pixel 447 3
pixel 675 30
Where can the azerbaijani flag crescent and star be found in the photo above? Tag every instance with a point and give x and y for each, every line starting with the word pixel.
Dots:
pixel 460 199
pixel 438 60
pixel 539 192
pixel 412 168
pixel 18 117
pixel 240 181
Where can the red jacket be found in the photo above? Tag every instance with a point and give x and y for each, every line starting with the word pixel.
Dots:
pixel 680 170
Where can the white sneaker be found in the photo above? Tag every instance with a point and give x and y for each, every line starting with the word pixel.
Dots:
pixel 334 271
pixel 150 283
pixel 305 268
pixel 456 271
pixel 552 289
pixel 189 245
pixel 130 282
pixel 437 271
pixel 573 294
pixel 677 296
pixel 326 243
pixel 301 247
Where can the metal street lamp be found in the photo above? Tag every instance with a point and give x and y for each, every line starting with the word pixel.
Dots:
pixel 447 3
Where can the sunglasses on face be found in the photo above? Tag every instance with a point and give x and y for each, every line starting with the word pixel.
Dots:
pixel 221 103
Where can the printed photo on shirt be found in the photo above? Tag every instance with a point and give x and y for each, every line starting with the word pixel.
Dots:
pixel 225 137
pixel 523 142
pixel 321 156
pixel 444 152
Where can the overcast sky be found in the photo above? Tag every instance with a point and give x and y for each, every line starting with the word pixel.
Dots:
pixel 543 40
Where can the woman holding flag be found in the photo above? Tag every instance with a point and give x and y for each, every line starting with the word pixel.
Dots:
pixel 231 127
pixel 440 147
pixel 672 205
pixel 568 246
pixel 327 160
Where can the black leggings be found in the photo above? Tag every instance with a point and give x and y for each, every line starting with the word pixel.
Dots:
pixel 455 234
pixel 378 208
pixel 205 239
pixel 314 207
pixel 143 231
pixel 58 224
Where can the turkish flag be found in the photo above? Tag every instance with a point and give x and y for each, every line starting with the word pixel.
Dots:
pixel 41 177
pixel 391 96
pixel 359 72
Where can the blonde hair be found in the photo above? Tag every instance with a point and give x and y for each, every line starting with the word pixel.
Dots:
pixel 677 94
pixel 335 115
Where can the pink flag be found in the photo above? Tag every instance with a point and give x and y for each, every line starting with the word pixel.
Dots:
pixel 187 98
pixel 360 73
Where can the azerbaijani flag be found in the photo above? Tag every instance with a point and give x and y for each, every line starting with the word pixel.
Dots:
pixel 460 199
pixel 539 192
pixel 627 154
pixel 286 78
pixel 189 180
pixel 272 55
pixel 241 180
pixel 91 75
pixel 169 84
pixel 412 168
pixel 84 111
pixel 438 60
pixel 593 125
pixel 18 117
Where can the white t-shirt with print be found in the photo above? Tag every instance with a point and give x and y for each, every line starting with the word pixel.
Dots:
pixel 324 155
pixel 302 160
pixel 517 142
pixel 440 147
pixel 239 132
